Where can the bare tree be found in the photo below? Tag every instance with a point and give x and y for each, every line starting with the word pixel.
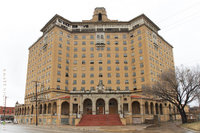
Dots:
pixel 179 87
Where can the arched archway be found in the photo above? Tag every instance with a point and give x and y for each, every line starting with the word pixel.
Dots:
pixel 146 108
pixel 32 109
pixel 45 109
pixel 161 109
pixel 25 111
pixel 113 106
pixel 49 108
pixel 40 109
pixel 28 111
pixel 54 108
pixel 99 17
pixel 65 108
pixel 156 108
pixel 135 107
pixel 87 106
pixel 100 106
pixel 152 108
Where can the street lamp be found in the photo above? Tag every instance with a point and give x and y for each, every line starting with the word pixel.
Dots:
pixel 36 84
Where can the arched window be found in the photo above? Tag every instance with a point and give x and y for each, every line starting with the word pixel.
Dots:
pixel 135 107
pixel 146 108
pixel 100 17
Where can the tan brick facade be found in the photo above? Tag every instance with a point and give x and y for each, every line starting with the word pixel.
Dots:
pixel 96 66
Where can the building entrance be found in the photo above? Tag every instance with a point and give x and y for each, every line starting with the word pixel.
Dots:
pixel 100 106
pixel 87 106
pixel 113 106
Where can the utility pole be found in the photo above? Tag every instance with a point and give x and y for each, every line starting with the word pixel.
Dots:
pixel 36 84
pixel 4 91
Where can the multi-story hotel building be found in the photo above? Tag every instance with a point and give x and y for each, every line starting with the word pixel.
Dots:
pixel 96 66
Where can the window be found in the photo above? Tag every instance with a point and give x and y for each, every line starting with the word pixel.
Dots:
pixel 117 81
pixel 91 37
pixel 116 42
pixel 134 74
pixel 91 55
pixel 74 75
pixel 126 82
pixel 109 75
pixel 108 61
pixel 133 67
pixel 91 42
pixel 58 79
pixel 124 36
pixel 83 43
pixel 100 68
pixel 75 42
pixel 142 72
pixel 141 65
pixel 132 41
pixel 68 48
pixel 141 58
pixel 134 81
pixel 83 55
pixel 91 88
pixel 83 82
pixel 108 48
pixel 66 82
pixel 68 42
pixel 108 68
pixel 126 75
pixel 91 68
pixel 61 33
pixel 83 49
pixel 139 38
pixel 126 88
pixel 140 44
pixel 59 59
pixel 116 55
pixel 118 88
pixel 66 75
pixel 67 55
pixel 117 68
pixel 117 62
pixel 100 54
pixel 91 75
pixel 59 65
pixel 117 74
pixel 75 55
pixel 75 49
pixel 133 60
pixel 139 31
pixel 92 62
pixel 100 62
pixel 67 61
pixel 108 42
pixel 82 88
pixel 116 36
pixel 59 52
pixel 83 61
pixel 74 88
pixel 66 68
pixel 75 62
pixel 125 48
pixel 116 49
pixel 108 36
pixel 58 87
pixel 142 79
pixel 60 45
pixel 125 67
pixel 108 55
pixel 83 75
pixel 109 81
pixel 60 39
pixel 100 75
pixel 75 37
pixel 58 73
pixel 91 81
pixel 125 54
pixel 125 62
pixel 74 82
pixel 140 51
pixel 83 37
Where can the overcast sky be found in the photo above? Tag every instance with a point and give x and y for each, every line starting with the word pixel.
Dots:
pixel 21 21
